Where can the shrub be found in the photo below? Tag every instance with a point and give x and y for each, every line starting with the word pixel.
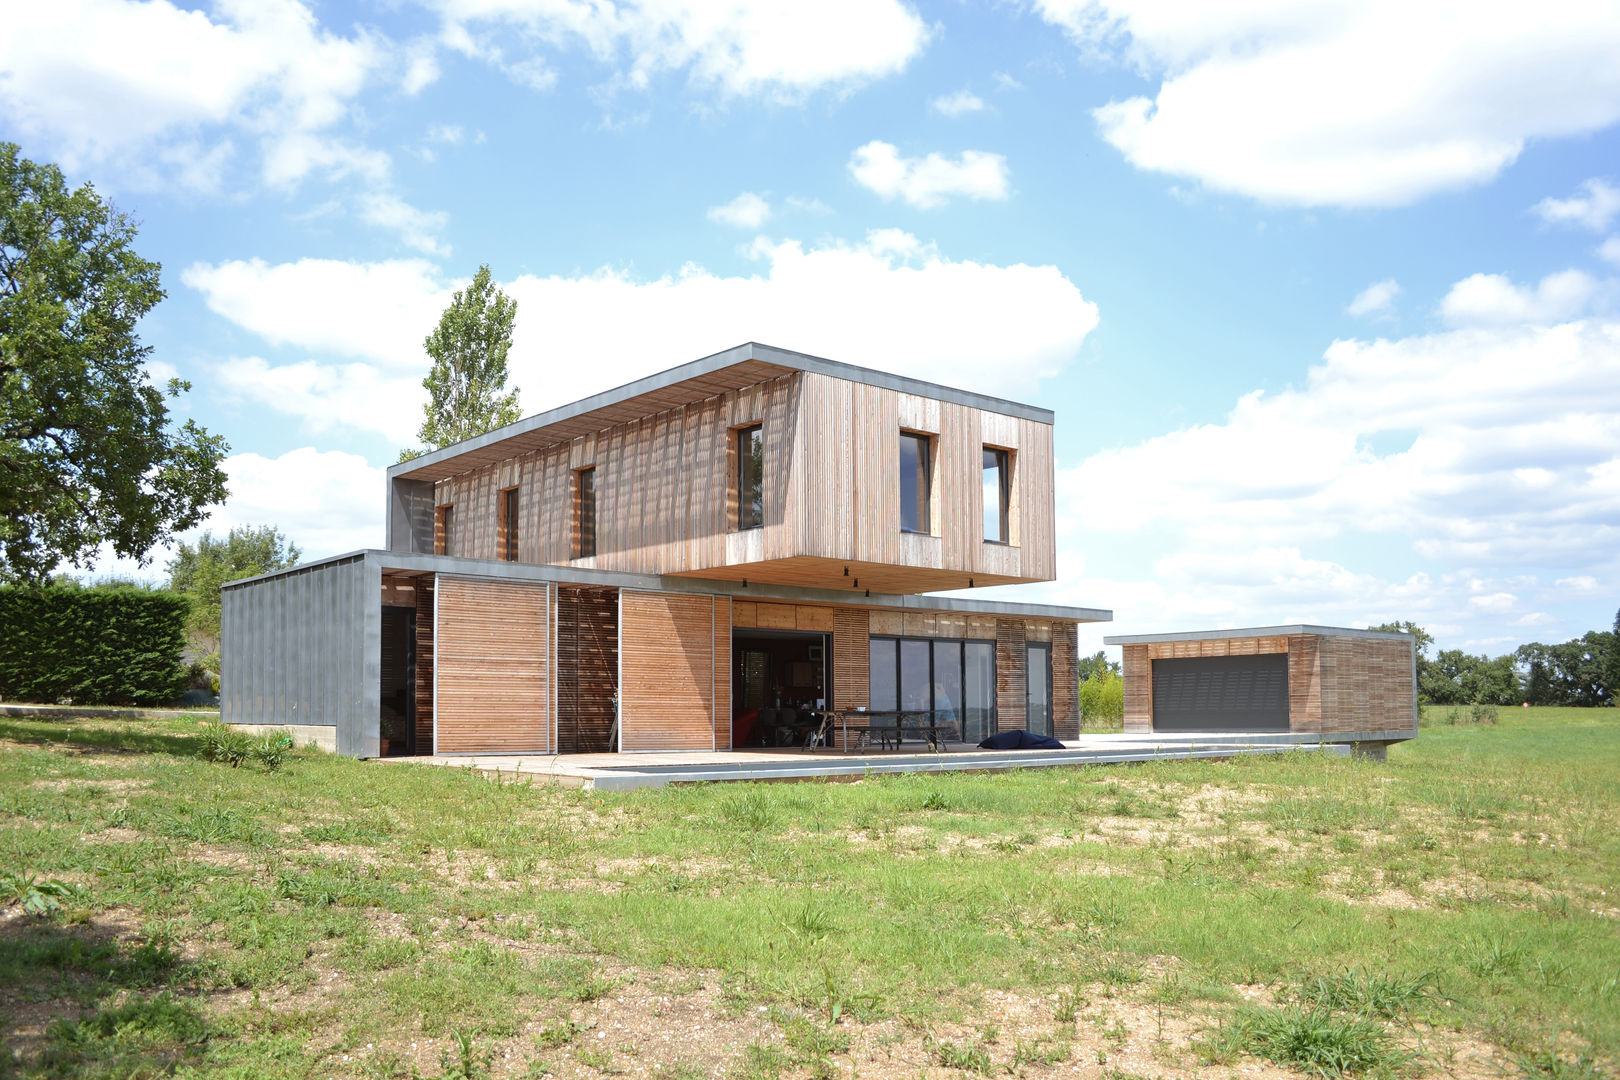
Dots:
pixel 101 646
pixel 1102 700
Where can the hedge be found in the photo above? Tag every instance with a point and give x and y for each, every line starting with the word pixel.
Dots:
pixel 118 646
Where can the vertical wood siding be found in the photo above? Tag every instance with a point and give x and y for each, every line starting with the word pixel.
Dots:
pixel 1137 671
pixel 1012 670
pixel 852 661
pixel 721 674
pixel 494 674
pixel 831 489
pixel 667 670
pixel 424 664
pixel 587 668
pixel 1065 681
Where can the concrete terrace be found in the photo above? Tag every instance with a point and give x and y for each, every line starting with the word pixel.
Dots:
pixel 629 771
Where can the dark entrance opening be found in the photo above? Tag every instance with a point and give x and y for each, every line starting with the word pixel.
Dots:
pixel 778 677
pixel 587 669
pixel 1221 693
pixel 397 720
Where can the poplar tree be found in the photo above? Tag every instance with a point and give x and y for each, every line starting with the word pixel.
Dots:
pixel 466 384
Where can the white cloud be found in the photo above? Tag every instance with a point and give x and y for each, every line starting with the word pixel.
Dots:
pixel 327 502
pixel 1474 463
pixel 1493 298
pixel 930 182
pixel 1348 102
pixel 746 211
pixel 808 205
pixel 418 229
pixel 1005 82
pixel 1610 250
pixel 1593 208
pixel 960 103
pixel 902 307
pixel 1375 299
pixel 740 48
pixel 126 83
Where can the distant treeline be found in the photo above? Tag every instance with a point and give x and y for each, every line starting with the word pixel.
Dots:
pixel 1583 671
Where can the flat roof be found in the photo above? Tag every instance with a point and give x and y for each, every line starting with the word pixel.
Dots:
pixel 1254 631
pixel 732 369
pixel 403 562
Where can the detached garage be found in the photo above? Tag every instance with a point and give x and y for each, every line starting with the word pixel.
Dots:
pixel 1334 682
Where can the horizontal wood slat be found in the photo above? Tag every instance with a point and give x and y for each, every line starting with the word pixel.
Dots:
pixel 492 692
pixel 667 672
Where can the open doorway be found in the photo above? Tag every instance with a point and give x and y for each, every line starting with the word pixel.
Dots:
pixel 397 697
pixel 778 676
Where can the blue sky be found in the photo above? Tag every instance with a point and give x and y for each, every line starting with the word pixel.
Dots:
pixel 1324 296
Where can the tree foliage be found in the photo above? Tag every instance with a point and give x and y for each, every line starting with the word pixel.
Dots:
pixel 1582 671
pixel 200 570
pixel 1095 665
pixel 88 456
pixel 466 385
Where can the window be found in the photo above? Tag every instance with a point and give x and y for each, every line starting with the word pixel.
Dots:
pixel 585 513
pixel 997 487
pixel 954 679
pixel 506 532
pixel 1038 687
pixel 750 477
pixel 444 530
pixel 914 482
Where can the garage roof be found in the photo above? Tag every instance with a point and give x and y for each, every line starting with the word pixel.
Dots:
pixel 1253 631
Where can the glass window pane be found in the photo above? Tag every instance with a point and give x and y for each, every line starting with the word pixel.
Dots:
pixel 750 478
pixel 585 510
pixel 1039 715
pixel 914 482
pixel 449 530
pixel 979 711
pixel 883 675
pixel 511 525
pixel 947 681
pixel 995 495
pixel 916 689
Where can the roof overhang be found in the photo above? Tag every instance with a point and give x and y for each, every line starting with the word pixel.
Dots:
pixel 1254 632
pixel 687 384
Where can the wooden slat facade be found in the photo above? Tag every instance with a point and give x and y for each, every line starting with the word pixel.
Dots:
pixel 664 483
pixel 587 668
pixel 669 688
pixel 1065 680
pixel 1012 675
pixel 424 664
pixel 493 671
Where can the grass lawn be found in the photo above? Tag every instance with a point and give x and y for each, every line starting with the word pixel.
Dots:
pixel 1454 911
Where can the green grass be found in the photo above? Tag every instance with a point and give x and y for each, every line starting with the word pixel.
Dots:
pixel 337 918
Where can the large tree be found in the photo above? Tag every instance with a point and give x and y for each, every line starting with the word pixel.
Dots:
pixel 88 455
pixel 199 570
pixel 466 385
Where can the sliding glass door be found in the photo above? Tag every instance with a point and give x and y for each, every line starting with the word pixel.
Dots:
pixel 953 679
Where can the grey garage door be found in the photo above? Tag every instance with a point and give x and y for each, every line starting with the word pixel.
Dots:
pixel 1221 693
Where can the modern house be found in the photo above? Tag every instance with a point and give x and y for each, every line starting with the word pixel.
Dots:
pixel 663 565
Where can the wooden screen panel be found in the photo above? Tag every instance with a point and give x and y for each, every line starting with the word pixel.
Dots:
pixel 587 668
pixel 667 677
pixel 1012 668
pixel 493 687
pixel 721 677
pixel 424 665
pixel 1065 681
pixel 852 674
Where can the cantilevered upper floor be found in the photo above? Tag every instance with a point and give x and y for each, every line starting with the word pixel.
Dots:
pixel 754 464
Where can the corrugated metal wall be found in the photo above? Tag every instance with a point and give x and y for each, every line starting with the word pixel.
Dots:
pixel 305 648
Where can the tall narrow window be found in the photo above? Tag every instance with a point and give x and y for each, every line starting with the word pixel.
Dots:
pixel 914 482
pixel 444 533
pixel 996 491
pixel 585 513
pixel 750 477
pixel 507 533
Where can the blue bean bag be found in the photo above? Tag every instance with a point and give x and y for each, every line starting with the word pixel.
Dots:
pixel 1020 740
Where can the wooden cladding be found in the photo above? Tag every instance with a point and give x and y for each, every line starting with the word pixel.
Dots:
pixel 1012 670
pixel 671 691
pixel 1335 684
pixel 1065 681
pixel 782 616
pixel 666 500
pixel 424 664
pixel 587 668
pixel 492 661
